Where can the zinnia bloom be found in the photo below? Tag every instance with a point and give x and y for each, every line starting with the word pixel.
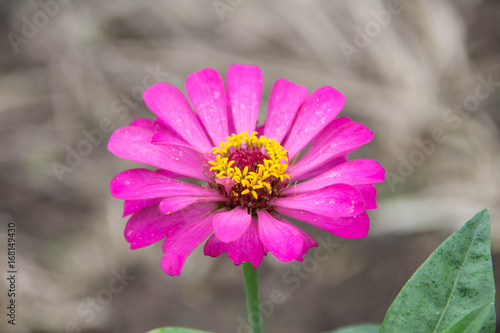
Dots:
pixel 220 177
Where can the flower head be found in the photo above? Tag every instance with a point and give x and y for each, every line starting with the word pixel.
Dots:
pixel 245 180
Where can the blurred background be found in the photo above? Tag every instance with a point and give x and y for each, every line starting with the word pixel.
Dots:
pixel 423 75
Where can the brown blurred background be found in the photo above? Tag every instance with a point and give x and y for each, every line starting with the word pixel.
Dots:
pixel 416 73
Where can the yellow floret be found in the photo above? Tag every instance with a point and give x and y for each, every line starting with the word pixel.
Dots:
pixel 273 168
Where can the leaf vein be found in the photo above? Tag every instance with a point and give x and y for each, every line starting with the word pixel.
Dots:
pixel 456 279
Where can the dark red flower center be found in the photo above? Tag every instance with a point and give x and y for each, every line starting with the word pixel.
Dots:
pixel 249 157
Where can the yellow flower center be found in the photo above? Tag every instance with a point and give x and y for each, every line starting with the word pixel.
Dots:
pixel 250 170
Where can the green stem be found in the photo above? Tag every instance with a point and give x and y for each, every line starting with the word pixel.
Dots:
pixel 252 290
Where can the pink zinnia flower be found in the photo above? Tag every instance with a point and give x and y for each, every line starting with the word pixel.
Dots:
pixel 247 180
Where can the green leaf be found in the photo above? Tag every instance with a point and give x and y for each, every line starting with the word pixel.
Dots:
pixel 175 330
pixel 472 322
pixel 455 279
pixel 361 328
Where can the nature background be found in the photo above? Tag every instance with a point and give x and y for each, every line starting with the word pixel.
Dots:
pixel 67 67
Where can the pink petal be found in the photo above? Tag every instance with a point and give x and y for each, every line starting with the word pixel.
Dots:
pixel 206 91
pixel 230 225
pixel 132 206
pixel 327 166
pixel 149 125
pixel 356 172
pixel 166 128
pixel 180 243
pixel 173 189
pixel 173 204
pixel 172 107
pixel 281 238
pixel 244 88
pixel 335 200
pixel 145 184
pixel 168 173
pixel 230 120
pixel 315 114
pixel 214 247
pixel 346 138
pixel 134 144
pixel 309 242
pixel 146 227
pixel 156 126
pixel 149 225
pixel 369 193
pixel 345 227
pixel 284 102
pixel 260 130
pixel 247 248
pixel 126 183
pixel 170 140
pixel 227 182
pixel 321 139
